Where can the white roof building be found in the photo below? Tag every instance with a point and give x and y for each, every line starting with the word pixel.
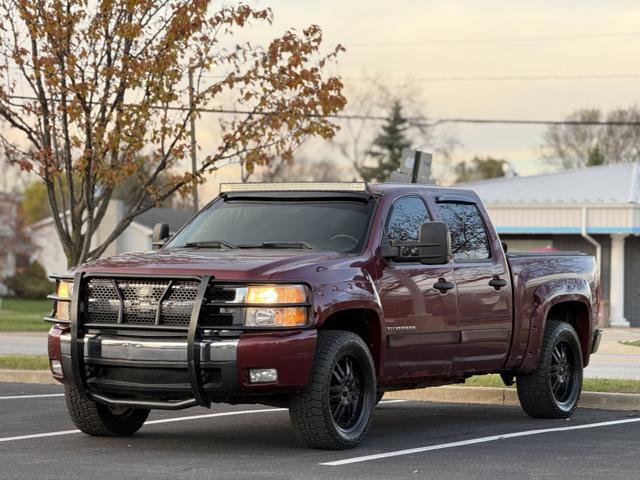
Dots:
pixel 136 237
pixel 599 207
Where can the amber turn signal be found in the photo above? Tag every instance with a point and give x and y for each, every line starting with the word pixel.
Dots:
pixel 269 294
pixel 65 289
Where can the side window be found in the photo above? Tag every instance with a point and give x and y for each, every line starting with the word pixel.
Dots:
pixel 469 239
pixel 403 223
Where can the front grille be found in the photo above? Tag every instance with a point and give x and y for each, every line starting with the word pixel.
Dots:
pixel 140 301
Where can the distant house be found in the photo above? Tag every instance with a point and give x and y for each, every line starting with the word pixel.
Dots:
pixel 14 250
pixel 135 238
pixel 593 210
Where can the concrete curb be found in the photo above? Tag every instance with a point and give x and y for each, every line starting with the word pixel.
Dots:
pixel 448 394
pixel 42 377
pixel 509 396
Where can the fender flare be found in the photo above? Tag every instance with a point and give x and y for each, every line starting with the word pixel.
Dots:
pixel 546 296
pixel 365 298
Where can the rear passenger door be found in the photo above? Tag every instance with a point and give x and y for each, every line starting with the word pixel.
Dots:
pixel 420 320
pixel 483 285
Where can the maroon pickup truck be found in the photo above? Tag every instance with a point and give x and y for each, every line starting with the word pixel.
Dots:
pixel 320 298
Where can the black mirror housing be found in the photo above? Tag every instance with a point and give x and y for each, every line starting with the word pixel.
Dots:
pixel 435 243
pixel 160 235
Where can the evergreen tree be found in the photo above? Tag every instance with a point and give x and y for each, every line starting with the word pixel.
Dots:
pixel 387 147
pixel 595 157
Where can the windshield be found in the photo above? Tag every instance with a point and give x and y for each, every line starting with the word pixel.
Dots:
pixel 338 225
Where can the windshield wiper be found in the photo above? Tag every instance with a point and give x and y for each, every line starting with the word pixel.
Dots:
pixel 283 244
pixel 211 244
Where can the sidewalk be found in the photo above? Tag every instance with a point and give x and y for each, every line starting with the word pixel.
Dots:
pixel 613 360
pixel 23 343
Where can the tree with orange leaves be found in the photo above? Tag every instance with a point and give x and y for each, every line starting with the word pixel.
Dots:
pixel 93 91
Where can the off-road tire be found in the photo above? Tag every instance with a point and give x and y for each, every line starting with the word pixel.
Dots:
pixel 535 390
pixel 310 411
pixel 99 420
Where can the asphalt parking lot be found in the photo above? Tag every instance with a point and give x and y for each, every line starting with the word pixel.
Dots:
pixel 407 440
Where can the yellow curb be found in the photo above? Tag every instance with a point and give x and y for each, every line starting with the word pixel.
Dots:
pixel 509 396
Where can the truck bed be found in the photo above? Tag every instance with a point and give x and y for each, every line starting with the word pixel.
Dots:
pixel 540 280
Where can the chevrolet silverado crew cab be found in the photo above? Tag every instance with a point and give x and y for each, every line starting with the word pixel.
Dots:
pixel 320 298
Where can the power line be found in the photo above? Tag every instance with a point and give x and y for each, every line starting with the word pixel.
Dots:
pixel 417 121
pixel 501 78
pixel 480 78
pixel 534 38
pixel 488 78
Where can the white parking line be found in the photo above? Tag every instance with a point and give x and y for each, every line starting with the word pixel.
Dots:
pixel 152 422
pixel 20 397
pixel 473 441
pixel 392 401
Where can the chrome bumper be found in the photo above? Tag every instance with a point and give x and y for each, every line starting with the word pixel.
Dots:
pixel 100 347
pixel 152 373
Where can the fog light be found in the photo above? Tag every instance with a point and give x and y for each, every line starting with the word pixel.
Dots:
pixel 56 367
pixel 263 375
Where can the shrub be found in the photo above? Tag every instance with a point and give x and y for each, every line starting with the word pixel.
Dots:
pixel 31 282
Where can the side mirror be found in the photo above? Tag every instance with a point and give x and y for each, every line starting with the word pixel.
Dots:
pixel 435 243
pixel 160 235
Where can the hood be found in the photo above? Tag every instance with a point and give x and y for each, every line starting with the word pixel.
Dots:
pixel 236 264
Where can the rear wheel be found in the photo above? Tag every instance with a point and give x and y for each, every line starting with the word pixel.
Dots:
pixel 335 410
pixel 97 419
pixel 553 389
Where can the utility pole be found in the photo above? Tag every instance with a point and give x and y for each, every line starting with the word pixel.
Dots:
pixel 192 121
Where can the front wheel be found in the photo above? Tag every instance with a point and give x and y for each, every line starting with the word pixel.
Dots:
pixel 96 419
pixel 334 412
pixel 553 389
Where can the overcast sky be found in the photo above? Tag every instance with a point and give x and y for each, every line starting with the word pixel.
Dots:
pixel 431 41
pixel 424 39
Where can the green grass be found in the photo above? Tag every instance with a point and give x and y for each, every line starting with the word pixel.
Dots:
pixel 19 315
pixel 24 362
pixel 633 343
pixel 590 384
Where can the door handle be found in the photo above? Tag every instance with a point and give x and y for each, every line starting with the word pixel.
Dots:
pixel 443 285
pixel 497 282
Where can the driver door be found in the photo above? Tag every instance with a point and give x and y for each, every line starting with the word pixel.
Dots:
pixel 420 320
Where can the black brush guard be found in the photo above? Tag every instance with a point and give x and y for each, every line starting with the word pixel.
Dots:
pixel 78 328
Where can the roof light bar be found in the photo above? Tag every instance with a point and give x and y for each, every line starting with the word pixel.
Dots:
pixel 294 187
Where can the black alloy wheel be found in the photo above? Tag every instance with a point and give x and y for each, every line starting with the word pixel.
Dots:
pixel 562 371
pixel 345 392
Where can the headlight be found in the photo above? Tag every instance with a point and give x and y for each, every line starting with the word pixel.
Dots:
pixel 279 315
pixel 65 289
pixel 262 294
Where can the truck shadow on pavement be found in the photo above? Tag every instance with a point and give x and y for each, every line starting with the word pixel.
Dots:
pixel 394 426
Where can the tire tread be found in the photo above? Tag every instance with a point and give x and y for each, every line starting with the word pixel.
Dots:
pixel 95 419
pixel 306 411
pixel 534 391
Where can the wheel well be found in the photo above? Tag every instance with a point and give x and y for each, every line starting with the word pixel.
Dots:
pixel 364 323
pixel 577 315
